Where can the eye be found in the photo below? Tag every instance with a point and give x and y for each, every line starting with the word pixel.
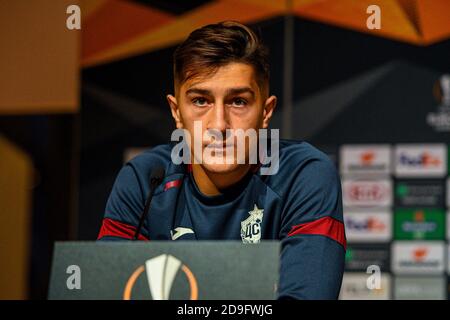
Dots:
pixel 239 102
pixel 200 102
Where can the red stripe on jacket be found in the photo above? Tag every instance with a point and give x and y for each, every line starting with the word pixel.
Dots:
pixel 113 228
pixel 172 184
pixel 325 226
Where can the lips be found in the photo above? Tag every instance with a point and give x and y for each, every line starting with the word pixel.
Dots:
pixel 217 146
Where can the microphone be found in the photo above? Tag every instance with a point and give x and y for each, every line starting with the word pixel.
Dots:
pixel 156 178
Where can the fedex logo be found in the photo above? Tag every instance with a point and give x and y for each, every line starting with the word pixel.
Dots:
pixel 368 227
pixel 428 160
pixel 422 160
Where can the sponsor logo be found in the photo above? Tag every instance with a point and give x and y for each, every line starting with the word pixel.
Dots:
pixel 418 257
pixel 421 160
pixel 419 193
pixel 161 272
pixel 251 227
pixel 371 227
pixel 365 159
pixel 180 231
pixel 360 256
pixel 421 288
pixel 354 287
pixel 440 119
pixel 420 224
pixel 367 193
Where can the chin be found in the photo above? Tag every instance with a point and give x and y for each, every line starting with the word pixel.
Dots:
pixel 221 168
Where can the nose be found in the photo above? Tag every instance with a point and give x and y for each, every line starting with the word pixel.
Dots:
pixel 218 119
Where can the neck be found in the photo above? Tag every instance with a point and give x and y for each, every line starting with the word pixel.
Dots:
pixel 211 184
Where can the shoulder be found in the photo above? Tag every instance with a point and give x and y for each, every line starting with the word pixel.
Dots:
pixel 134 176
pixel 155 157
pixel 295 152
pixel 301 163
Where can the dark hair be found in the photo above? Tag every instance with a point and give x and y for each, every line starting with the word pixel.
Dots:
pixel 215 45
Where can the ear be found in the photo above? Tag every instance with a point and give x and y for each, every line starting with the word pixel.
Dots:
pixel 173 104
pixel 269 106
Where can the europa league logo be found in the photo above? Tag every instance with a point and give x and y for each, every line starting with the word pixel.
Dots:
pixel 441 90
pixel 161 272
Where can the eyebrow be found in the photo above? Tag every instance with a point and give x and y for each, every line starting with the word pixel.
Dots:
pixel 240 90
pixel 231 91
pixel 205 92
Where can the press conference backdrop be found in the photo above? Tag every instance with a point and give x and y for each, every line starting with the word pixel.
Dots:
pixel 378 103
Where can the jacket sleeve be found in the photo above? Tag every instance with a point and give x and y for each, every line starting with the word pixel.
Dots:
pixel 312 234
pixel 124 208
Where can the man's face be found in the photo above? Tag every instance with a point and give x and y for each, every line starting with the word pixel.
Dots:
pixel 230 98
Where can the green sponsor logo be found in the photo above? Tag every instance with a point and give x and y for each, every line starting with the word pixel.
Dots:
pixel 412 224
pixel 401 190
pixel 348 255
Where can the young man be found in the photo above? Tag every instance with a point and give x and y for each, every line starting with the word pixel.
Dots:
pixel 221 75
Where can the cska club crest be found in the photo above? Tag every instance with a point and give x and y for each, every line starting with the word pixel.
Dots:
pixel 251 227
